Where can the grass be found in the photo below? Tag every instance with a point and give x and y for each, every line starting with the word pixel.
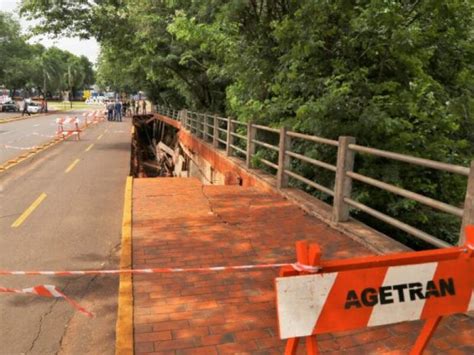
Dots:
pixel 65 105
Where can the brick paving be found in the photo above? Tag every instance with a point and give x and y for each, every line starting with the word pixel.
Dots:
pixel 180 223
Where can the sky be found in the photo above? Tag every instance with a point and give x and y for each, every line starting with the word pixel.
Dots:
pixel 89 48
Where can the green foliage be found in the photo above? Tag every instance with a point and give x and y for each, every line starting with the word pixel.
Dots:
pixel 397 75
pixel 26 66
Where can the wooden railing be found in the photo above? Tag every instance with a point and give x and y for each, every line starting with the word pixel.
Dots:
pixel 232 135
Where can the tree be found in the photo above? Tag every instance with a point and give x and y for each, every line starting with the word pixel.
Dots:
pixel 16 68
pixel 397 75
pixel 28 67
pixel 50 70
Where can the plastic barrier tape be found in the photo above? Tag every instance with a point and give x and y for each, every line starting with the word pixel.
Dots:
pixel 47 291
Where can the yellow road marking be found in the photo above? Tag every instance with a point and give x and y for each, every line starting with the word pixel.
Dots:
pixel 124 325
pixel 89 147
pixel 73 164
pixel 28 211
pixel 99 137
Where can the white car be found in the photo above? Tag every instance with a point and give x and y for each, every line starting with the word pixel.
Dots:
pixel 95 100
pixel 33 107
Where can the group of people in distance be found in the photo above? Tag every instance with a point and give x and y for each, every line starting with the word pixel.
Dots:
pixel 118 109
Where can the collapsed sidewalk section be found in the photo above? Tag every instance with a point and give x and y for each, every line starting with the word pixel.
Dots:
pixel 179 222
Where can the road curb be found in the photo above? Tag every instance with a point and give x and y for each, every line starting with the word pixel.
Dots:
pixel 124 325
pixel 31 153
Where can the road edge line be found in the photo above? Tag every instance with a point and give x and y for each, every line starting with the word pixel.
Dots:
pixel 124 325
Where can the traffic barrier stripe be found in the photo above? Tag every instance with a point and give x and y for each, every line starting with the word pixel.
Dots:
pixel 72 121
pixel 364 292
pixel 370 297
pixel 47 291
pixel 95 117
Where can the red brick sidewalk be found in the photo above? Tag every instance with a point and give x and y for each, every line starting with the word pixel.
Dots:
pixel 179 223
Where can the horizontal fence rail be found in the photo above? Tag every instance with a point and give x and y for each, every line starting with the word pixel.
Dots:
pixel 240 137
pixel 456 169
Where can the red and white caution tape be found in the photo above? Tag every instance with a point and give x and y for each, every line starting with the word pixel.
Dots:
pixel 18 148
pixel 52 291
pixel 42 135
pixel 296 266
pixel 47 291
pixel 307 268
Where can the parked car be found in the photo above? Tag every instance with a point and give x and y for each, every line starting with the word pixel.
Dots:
pixel 33 107
pixel 10 106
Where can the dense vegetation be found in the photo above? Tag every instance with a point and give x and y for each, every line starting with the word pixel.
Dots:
pixel 32 66
pixel 395 74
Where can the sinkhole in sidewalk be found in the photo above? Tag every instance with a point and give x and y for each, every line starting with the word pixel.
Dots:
pixel 155 149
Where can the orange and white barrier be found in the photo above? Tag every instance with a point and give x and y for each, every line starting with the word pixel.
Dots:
pixel 68 126
pixel 315 297
pixel 372 291
pixel 93 117
pixel 47 291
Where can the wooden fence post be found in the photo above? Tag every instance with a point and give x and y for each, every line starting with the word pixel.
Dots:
pixel 215 133
pixel 230 137
pixel 468 215
pixel 182 115
pixel 343 184
pixel 194 124
pixel 205 128
pixel 251 133
pixel 283 158
pixel 200 126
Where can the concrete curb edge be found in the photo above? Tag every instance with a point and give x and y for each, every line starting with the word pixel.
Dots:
pixel 124 325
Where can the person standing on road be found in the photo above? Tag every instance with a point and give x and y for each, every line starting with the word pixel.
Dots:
pixel 118 111
pixel 25 108
pixel 132 107
pixel 124 108
pixel 43 105
pixel 110 111
pixel 144 106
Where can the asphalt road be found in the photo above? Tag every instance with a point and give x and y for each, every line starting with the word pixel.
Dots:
pixel 16 137
pixel 76 226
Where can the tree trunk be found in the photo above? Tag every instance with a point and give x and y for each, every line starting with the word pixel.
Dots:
pixel 44 85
